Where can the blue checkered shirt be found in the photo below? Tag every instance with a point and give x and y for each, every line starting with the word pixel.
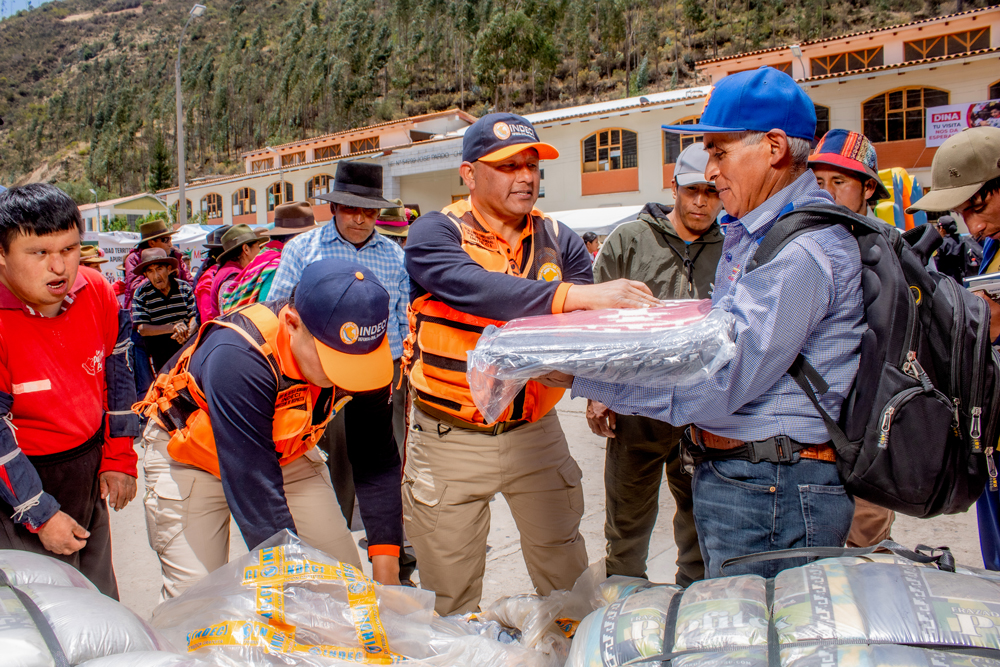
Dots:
pixel 379 254
pixel 806 299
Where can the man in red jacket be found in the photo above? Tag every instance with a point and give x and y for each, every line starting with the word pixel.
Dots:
pixel 65 386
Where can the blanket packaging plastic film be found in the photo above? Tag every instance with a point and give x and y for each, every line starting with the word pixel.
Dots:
pixel 71 618
pixel 674 344
pixel 286 603
pixel 871 611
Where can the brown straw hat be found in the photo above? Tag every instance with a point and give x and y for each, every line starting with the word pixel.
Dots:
pixel 292 218
pixel 234 239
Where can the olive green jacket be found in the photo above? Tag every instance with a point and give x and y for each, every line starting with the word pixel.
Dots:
pixel 650 251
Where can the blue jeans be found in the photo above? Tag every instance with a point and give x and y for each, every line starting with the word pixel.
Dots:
pixel 743 508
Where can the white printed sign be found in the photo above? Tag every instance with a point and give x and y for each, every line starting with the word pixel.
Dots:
pixel 944 122
pixel 116 245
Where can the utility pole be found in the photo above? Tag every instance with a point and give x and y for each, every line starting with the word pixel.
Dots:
pixel 195 12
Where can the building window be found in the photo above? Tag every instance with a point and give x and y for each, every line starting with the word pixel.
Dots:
pixel 362 145
pixel 262 164
pixel 326 152
pixel 847 62
pixel 673 144
pixel 293 158
pixel 318 185
pixel 275 197
pixel 994 92
pixel 947 45
pixel 211 206
pixel 899 114
pixel 822 120
pixel 608 150
pixel 244 201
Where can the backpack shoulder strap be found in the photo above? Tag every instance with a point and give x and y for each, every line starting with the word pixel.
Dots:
pixel 807 219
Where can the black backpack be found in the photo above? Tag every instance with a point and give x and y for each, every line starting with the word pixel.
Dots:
pixel 918 428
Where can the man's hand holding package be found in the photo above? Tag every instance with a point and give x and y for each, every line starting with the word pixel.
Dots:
pixel 621 293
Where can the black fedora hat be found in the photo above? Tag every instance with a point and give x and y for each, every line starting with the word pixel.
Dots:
pixel 214 238
pixel 357 184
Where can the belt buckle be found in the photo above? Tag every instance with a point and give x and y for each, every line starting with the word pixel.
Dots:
pixel 773 450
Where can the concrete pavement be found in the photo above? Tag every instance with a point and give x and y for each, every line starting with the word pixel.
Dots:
pixel 139 574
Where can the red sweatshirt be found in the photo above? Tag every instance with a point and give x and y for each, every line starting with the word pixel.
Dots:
pixel 54 368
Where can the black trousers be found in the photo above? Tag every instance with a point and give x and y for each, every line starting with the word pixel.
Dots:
pixel 72 478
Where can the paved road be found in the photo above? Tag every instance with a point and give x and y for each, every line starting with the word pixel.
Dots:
pixel 138 568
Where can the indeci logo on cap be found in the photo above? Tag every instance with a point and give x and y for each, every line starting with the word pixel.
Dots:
pixel 349 333
pixel 501 130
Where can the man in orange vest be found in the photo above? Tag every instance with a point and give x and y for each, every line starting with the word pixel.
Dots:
pixel 234 423
pixel 481 261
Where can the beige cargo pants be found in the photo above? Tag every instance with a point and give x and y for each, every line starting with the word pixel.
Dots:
pixel 451 474
pixel 187 517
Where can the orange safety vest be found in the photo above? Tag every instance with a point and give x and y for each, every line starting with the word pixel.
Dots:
pixel 178 405
pixel 440 336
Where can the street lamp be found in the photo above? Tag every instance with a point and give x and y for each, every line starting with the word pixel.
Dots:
pixel 281 171
pixel 797 52
pixel 99 226
pixel 195 12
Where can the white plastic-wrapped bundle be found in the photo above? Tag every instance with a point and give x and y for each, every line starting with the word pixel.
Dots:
pixel 146 659
pixel 871 611
pixel 42 623
pixel 90 625
pixel 674 344
pixel 24 567
pixel 286 603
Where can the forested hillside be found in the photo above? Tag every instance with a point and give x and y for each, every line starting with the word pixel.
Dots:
pixel 87 86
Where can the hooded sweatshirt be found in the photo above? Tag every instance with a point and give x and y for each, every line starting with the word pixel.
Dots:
pixel 650 251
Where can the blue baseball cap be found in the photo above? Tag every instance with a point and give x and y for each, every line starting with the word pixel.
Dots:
pixel 346 309
pixel 496 136
pixel 757 101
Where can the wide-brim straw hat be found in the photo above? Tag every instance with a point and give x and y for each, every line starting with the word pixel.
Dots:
pixel 235 238
pixel 292 218
pixel 151 256
pixel 153 230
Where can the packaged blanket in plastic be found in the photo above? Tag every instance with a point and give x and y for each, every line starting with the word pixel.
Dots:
pixel 146 659
pixel 876 610
pixel 42 624
pixel 24 567
pixel 286 603
pixel 674 344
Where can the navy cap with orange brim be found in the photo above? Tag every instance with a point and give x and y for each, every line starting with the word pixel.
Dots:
pixel 497 136
pixel 346 309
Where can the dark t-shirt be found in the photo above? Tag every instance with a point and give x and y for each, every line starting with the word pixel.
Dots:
pixel 241 390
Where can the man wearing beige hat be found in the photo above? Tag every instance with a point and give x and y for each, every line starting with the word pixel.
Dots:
pixel 965 179
pixel 240 245
pixel 392 222
pixel 253 283
pixel 91 255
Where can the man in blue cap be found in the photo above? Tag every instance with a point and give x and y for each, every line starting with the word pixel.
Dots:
pixel 234 423
pixel 750 493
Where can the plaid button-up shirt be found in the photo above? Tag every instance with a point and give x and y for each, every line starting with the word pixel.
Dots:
pixel 379 254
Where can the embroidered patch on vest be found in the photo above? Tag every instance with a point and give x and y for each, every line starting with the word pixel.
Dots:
pixel 549 272
pixel 291 396
pixel 481 239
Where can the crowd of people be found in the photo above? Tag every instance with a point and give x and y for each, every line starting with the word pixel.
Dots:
pixel 306 366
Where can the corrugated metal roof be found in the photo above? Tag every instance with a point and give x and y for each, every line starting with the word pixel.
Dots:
pixel 653 100
pixel 849 35
pixel 366 128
